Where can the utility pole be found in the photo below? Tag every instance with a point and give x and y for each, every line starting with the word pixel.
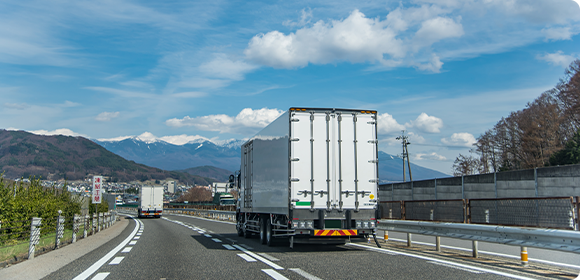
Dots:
pixel 405 142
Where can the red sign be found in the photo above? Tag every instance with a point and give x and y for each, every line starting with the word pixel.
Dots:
pixel 97 193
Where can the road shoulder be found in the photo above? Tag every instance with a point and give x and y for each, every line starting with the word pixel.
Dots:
pixel 52 261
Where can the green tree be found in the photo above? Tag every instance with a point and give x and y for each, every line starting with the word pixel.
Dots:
pixel 570 154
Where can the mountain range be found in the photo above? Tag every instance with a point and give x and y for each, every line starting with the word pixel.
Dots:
pixel 24 154
pixel 226 155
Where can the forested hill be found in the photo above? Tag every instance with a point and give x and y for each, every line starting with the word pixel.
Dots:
pixel 24 154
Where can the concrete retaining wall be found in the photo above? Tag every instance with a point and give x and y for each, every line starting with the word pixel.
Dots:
pixel 540 182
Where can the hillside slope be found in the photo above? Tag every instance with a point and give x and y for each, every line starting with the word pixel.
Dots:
pixel 24 154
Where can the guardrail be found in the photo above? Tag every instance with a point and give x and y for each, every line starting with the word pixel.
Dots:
pixel 551 212
pixel 210 214
pixel 48 234
pixel 554 239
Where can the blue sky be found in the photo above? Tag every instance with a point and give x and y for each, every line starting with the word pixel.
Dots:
pixel 444 71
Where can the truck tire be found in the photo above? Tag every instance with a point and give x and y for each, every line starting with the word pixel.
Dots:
pixel 239 229
pixel 263 230
pixel 247 233
pixel 269 233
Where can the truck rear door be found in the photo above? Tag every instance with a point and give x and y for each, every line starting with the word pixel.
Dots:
pixel 333 159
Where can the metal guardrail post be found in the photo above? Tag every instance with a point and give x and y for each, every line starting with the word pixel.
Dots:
pixel 409 241
pixel 386 236
pixel 438 243
pixel 475 248
pixel 86 225
pixel 75 228
pixel 94 227
pixel 578 213
pixel 34 236
pixel 59 229
pixel 100 222
pixel 524 255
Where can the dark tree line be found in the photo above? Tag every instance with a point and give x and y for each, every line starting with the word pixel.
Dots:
pixel 545 133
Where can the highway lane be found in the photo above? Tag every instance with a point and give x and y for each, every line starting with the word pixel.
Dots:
pixel 184 247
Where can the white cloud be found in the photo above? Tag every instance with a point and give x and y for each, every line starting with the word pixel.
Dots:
pixel 426 123
pixel 224 68
pixel 536 11
pixel 247 121
pixel 306 16
pixel 190 94
pixel 460 139
pixel 386 124
pixel 60 131
pixel 107 116
pixel 557 59
pixel 416 138
pixel 17 106
pixel 436 29
pixel 431 156
pixel 354 39
pixel 557 33
pixel 434 65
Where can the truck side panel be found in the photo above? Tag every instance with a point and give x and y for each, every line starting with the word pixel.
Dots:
pixel 266 160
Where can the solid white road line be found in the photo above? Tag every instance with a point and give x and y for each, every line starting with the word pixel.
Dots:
pixel 126 249
pixel 255 256
pixel 491 253
pixel 304 274
pixel 456 267
pixel 101 276
pixel 247 258
pixel 442 261
pixel 116 260
pixel 272 273
pixel 93 268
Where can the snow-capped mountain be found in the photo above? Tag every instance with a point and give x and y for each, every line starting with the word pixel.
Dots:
pixel 225 154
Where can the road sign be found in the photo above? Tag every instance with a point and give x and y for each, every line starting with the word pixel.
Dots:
pixel 97 189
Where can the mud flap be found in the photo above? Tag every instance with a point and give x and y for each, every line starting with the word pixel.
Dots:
pixel 376 240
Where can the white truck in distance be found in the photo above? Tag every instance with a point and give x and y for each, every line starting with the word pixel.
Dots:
pixel 310 176
pixel 150 201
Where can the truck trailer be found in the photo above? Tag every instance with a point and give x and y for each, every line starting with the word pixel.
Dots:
pixel 310 176
pixel 150 201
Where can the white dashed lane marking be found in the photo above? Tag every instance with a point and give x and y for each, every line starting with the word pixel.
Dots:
pixel 268 257
pixel 127 250
pixel 246 257
pixel 117 260
pixel 101 276
pixel 216 240
pixel 272 273
pixel 229 247
pixel 304 274
pixel 132 242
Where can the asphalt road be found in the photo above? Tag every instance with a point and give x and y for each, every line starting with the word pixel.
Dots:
pixel 183 247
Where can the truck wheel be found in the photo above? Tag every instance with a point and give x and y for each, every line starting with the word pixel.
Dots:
pixel 247 233
pixel 263 231
pixel 239 229
pixel 269 237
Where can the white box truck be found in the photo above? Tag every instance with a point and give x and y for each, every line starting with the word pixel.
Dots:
pixel 150 201
pixel 310 176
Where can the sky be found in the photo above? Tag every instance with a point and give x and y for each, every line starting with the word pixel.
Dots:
pixel 444 71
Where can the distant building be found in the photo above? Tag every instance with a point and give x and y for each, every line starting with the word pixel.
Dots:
pixel 171 186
